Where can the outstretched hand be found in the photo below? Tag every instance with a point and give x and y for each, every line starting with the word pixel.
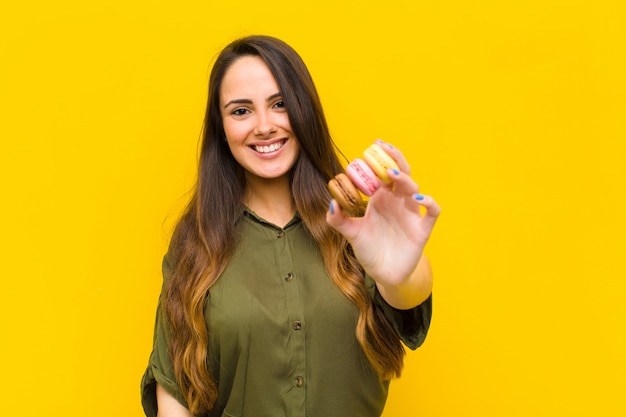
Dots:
pixel 390 238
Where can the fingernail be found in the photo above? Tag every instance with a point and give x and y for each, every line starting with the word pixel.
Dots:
pixel 390 146
pixel 418 197
pixel 379 141
pixel 332 207
pixel 395 171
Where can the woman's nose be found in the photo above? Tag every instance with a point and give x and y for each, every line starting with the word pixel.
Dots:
pixel 264 125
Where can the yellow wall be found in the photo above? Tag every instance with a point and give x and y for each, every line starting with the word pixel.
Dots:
pixel 512 113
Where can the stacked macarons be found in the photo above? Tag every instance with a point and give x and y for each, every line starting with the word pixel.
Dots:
pixel 364 175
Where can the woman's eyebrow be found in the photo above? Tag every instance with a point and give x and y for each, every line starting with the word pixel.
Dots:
pixel 273 96
pixel 248 101
pixel 238 101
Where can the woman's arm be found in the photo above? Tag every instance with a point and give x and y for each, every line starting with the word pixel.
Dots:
pixel 416 289
pixel 168 405
pixel 389 239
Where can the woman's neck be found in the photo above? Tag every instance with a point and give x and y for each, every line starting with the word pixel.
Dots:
pixel 270 199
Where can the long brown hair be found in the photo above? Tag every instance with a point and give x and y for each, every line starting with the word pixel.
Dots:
pixel 205 237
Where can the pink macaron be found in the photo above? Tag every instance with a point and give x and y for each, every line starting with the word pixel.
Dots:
pixel 363 177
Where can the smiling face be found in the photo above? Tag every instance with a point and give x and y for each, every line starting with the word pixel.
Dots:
pixel 255 120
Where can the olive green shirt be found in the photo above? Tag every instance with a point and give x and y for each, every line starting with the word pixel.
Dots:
pixel 282 335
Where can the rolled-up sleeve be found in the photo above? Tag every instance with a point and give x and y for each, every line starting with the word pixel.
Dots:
pixel 410 325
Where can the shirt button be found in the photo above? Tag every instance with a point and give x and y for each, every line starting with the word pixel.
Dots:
pixel 280 234
pixel 299 381
pixel 297 325
pixel 289 277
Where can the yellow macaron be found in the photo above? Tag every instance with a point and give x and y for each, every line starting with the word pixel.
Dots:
pixel 379 161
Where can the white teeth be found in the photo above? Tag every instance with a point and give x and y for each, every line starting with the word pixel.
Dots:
pixel 268 148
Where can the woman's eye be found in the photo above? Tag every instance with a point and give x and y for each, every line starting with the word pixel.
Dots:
pixel 279 104
pixel 240 112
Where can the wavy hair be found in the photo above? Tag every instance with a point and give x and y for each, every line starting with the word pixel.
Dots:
pixel 205 236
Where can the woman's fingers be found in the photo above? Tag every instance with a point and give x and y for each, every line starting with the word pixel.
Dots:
pixel 405 187
pixel 433 210
pixel 397 156
pixel 390 203
pixel 402 182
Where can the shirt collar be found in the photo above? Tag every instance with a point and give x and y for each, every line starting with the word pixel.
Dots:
pixel 252 215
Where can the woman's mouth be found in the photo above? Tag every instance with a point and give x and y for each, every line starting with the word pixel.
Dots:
pixel 268 148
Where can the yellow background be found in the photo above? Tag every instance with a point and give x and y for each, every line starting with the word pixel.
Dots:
pixel 511 112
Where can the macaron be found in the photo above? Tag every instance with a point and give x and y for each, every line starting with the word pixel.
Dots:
pixel 379 161
pixel 346 194
pixel 363 177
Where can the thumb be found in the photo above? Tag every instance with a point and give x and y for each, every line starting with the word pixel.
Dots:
pixel 338 220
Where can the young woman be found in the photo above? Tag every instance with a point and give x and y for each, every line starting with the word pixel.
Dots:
pixel 274 302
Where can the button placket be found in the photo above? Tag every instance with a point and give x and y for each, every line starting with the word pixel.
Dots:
pixel 295 319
